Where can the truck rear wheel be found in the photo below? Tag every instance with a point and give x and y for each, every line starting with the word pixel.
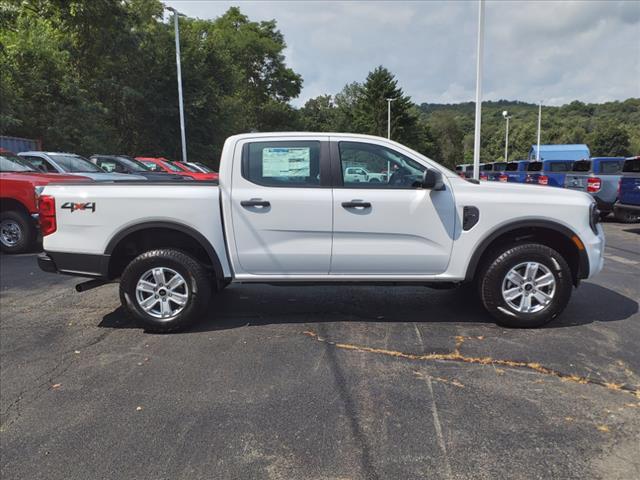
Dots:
pixel 166 289
pixel 17 233
pixel 525 286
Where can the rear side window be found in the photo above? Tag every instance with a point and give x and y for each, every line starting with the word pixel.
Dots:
pixel 499 167
pixel 611 166
pixel 534 167
pixel 486 168
pixel 41 164
pixel 282 164
pixel 631 166
pixel 559 166
pixel 581 166
pixel 512 167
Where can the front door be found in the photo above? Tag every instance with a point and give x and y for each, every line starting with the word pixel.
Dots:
pixel 388 227
pixel 281 207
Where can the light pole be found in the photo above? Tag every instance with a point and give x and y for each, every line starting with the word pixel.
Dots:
pixel 476 137
pixel 180 103
pixel 539 129
pixel 389 100
pixel 506 116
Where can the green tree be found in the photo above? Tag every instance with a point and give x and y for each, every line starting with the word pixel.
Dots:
pixel 610 141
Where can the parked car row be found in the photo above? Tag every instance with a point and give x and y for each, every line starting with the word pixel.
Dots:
pixel 614 182
pixel 24 174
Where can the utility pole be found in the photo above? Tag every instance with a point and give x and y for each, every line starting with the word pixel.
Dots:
pixel 480 45
pixel 539 129
pixel 389 100
pixel 179 69
pixel 506 115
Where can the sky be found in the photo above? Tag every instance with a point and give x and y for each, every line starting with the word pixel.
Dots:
pixel 554 52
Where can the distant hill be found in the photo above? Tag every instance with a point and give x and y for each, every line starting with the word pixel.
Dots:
pixel 611 128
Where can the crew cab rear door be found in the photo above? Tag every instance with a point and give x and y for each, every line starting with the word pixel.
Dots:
pixel 281 206
pixel 390 227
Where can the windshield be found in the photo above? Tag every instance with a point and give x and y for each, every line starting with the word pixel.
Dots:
pixel 534 167
pixel 186 167
pixel 172 167
pixel 512 167
pixel 75 163
pixel 581 166
pixel 632 165
pixel 611 166
pixel 204 167
pixel 134 165
pixel 13 163
pixel 559 166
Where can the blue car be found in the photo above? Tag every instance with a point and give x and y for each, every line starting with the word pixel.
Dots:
pixel 515 172
pixel 627 208
pixel 548 172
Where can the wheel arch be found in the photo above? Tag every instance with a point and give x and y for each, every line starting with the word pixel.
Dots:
pixel 11 204
pixel 134 232
pixel 547 232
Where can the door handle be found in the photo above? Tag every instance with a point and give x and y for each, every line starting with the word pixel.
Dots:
pixel 255 202
pixel 356 204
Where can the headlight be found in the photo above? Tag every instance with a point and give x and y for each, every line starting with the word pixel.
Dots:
pixel 594 217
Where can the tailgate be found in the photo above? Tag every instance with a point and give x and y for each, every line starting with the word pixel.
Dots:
pixel 576 182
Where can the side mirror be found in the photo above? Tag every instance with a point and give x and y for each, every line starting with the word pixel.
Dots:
pixel 432 180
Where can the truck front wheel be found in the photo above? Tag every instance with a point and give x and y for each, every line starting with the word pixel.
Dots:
pixel 525 285
pixel 166 289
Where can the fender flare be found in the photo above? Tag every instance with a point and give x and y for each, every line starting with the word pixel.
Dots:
pixel 583 258
pixel 197 236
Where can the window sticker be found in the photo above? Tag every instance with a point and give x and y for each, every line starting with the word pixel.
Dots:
pixel 286 162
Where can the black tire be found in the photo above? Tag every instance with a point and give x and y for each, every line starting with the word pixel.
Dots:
pixel 625 216
pixel 197 280
pixel 26 232
pixel 493 275
pixel 604 215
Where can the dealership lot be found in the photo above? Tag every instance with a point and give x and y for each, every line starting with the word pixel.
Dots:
pixel 311 382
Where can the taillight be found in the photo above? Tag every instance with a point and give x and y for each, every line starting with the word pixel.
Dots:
pixel 619 186
pixel 47 214
pixel 503 178
pixel 593 184
pixel 543 180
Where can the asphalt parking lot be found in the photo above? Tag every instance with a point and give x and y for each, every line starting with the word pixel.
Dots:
pixel 326 383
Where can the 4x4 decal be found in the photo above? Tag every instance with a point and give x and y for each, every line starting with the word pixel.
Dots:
pixel 79 206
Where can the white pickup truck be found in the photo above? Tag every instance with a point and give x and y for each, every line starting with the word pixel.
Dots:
pixel 283 213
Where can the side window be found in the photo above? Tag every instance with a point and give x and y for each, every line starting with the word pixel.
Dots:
pixel 107 165
pixel 282 164
pixel 365 165
pixel 41 164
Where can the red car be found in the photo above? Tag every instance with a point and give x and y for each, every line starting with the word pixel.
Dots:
pixel 19 183
pixel 161 164
pixel 188 168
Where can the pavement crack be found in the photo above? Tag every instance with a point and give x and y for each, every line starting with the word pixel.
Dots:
pixel 457 356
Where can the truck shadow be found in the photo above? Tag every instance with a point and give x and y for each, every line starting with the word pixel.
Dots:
pixel 255 305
